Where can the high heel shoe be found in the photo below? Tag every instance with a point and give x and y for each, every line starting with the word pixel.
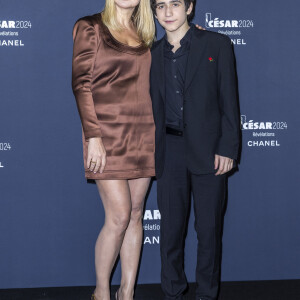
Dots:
pixel 93 297
pixel 117 295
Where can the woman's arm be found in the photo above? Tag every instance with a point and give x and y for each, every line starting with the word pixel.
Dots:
pixel 84 54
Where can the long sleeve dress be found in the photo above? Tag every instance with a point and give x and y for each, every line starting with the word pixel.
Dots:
pixel 110 82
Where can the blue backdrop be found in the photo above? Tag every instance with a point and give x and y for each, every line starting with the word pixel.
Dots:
pixel 50 217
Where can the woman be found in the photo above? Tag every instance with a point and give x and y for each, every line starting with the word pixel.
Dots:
pixel 110 81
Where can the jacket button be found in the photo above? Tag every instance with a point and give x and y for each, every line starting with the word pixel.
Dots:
pixel 184 125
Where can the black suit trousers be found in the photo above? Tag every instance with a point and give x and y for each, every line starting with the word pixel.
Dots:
pixel 174 188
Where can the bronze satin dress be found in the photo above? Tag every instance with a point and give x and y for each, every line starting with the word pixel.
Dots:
pixel 110 82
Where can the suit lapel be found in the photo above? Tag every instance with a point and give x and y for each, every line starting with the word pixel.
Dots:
pixel 160 69
pixel 197 48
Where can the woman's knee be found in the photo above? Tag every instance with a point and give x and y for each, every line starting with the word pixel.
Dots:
pixel 136 214
pixel 119 222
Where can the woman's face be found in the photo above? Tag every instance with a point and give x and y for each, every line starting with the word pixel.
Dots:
pixel 127 4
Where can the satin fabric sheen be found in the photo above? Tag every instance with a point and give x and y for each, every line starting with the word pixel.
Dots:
pixel 110 82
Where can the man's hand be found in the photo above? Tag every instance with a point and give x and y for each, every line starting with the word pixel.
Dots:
pixel 223 164
pixel 96 159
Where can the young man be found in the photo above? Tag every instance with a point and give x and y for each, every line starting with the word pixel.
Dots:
pixel 194 95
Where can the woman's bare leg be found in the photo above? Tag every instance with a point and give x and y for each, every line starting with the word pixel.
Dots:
pixel 115 196
pixel 131 246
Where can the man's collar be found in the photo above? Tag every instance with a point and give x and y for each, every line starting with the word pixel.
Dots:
pixel 186 38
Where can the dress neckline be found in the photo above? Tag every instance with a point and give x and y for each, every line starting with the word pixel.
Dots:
pixel 111 41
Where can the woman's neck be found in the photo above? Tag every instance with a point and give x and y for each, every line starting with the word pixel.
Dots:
pixel 124 16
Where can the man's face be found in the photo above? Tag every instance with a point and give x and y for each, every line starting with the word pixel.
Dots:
pixel 172 14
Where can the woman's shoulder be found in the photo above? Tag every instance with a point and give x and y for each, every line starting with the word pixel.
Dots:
pixel 88 24
pixel 90 20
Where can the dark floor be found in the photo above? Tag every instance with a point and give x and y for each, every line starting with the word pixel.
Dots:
pixel 246 290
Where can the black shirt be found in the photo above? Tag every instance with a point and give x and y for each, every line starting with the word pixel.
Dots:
pixel 175 66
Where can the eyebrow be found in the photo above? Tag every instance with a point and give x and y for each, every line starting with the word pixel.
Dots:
pixel 173 1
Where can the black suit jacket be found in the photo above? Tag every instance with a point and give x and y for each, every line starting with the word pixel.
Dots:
pixel 210 109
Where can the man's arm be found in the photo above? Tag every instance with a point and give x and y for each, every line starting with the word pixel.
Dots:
pixel 228 146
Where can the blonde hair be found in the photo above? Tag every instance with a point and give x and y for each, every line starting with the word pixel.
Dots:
pixel 142 19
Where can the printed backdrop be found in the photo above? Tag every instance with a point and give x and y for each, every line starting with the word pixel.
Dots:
pixel 50 217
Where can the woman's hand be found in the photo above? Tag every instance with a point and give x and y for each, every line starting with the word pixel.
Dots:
pixel 200 27
pixel 96 159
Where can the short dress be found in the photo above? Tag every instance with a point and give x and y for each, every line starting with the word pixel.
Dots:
pixel 111 85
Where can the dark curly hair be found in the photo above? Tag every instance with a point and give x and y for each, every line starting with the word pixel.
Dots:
pixel 187 4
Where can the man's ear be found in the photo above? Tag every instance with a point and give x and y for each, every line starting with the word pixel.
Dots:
pixel 190 9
